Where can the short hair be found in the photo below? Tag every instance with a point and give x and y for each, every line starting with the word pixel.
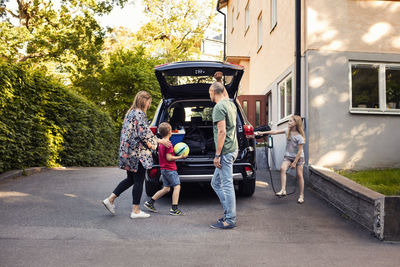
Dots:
pixel 218 88
pixel 164 129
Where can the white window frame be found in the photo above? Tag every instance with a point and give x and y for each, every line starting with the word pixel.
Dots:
pixel 269 102
pixel 259 32
pixel 233 19
pixel 382 90
pixel 247 18
pixel 286 117
pixel 238 9
pixel 274 14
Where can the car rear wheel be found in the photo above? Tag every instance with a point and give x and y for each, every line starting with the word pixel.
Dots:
pixel 247 187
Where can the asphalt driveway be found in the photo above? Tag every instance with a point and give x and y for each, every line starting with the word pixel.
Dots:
pixel 55 218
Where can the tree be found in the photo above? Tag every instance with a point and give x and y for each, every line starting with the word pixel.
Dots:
pixel 176 28
pixel 128 72
pixel 67 34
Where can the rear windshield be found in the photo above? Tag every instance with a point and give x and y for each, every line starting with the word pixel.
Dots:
pixel 190 114
pixel 182 80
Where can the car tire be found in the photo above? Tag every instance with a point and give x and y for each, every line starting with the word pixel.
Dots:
pixel 151 187
pixel 247 187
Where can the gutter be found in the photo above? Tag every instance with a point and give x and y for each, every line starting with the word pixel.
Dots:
pixel 219 11
pixel 298 57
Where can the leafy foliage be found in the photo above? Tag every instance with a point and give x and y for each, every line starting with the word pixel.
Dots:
pixel 128 72
pixel 176 28
pixel 68 35
pixel 44 124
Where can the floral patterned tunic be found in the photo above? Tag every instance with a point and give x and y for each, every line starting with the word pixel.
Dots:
pixel 136 137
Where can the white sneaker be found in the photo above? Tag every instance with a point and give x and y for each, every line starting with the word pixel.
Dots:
pixel 141 214
pixel 110 207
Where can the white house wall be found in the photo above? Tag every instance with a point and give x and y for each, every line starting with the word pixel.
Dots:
pixel 337 138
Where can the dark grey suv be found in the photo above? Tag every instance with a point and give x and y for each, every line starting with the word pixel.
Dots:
pixel 187 107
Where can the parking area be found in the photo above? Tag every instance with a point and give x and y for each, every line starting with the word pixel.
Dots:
pixel 55 218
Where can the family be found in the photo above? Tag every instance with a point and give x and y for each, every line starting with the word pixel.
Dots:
pixel 135 156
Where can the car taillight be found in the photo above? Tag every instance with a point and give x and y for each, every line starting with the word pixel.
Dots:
pixel 248 170
pixel 153 129
pixel 248 131
pixel 153 173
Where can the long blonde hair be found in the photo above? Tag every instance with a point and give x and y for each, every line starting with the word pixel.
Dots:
pixel 299 127
pixel 140 100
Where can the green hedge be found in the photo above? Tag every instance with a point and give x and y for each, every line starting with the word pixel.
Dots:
pixel 42 123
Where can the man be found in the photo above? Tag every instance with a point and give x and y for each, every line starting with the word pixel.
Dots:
pixel 224 123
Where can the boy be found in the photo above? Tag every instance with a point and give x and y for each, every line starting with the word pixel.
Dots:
pixel 169 174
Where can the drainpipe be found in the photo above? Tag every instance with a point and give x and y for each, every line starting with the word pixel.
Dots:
pixel 298 56
pixel 219 11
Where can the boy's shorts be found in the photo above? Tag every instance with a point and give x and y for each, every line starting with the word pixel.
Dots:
pixel 291 159
pixel 170 178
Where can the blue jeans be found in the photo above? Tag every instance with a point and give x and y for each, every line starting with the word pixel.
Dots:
pixel 222 183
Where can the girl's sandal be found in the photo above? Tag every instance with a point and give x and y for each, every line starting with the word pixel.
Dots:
pixel 281 193
pixel 300 200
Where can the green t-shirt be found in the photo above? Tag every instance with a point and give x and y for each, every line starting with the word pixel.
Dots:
pixel 226 110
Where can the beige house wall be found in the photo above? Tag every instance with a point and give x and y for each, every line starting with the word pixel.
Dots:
pixel 276 45
pixel 350 25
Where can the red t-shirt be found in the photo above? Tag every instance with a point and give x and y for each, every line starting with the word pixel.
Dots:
pixel 162 158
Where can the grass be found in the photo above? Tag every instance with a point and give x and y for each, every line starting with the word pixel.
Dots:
pixel 386 182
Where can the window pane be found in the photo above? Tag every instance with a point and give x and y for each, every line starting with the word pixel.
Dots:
pixel 289 96
pixel 269 110
pixel 259 32
pixel 282 100
pixel 247 11
pixel 245 107
pixel 365 86
pixel 257 113
pixel 393 87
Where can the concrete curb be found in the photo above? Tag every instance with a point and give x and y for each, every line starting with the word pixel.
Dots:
pixel 18 173
pixel 363 205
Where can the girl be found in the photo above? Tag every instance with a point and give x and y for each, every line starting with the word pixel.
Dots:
pixel 135 154
pixel 294 155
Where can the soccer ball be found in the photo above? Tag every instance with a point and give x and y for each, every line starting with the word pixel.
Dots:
pixel 181 149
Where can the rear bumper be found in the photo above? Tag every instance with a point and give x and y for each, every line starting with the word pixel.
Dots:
pixel 204 172
pixel 205 177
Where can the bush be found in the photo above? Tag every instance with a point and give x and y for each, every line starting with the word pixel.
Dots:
pixel 43 123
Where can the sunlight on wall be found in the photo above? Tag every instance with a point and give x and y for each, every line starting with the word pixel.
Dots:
pixel 357 156
pixel 343 97
pixel 376 32
pixel 319 101
pixel 335 45
pixel 362 131
pixel 332 158
pixel 316 82
pixel 396 42
pixel 13 194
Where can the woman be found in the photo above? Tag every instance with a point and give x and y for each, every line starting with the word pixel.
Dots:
pixel 134 154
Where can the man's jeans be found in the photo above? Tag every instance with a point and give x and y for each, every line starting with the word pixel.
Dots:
pixel 222 183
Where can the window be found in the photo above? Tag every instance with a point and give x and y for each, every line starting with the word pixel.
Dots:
pixel 247 17
pixel 285 88
pixel 258 112
pixel 269 108
pixel 233 19
pixel 274 14
pixel 259 32
pixel 375 88
pixel 245 107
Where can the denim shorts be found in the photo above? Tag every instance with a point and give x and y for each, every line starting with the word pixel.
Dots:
pixel 291 159
pixel 170 178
